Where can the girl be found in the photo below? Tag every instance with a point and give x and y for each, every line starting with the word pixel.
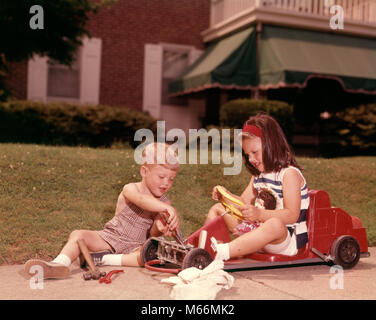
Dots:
pixel 138 216
pixel 270 160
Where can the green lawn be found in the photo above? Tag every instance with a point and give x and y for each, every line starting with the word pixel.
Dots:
pixel 46 192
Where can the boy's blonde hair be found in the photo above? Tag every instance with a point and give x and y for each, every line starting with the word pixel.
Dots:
pixel 162 154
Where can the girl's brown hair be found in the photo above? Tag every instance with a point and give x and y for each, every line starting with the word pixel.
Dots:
pixel 276 152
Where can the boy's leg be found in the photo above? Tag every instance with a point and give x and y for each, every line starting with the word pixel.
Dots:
pixel 59 267
pixel 132 259
pixel 92 239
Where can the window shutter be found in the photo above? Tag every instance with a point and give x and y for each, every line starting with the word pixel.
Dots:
pixel 153 79
pixel 37 73
pixel 90 70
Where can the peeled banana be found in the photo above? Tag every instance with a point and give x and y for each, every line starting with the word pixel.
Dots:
pixel 226 200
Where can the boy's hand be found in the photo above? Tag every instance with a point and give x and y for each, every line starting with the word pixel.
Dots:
pixel 161 226
pixel 171 217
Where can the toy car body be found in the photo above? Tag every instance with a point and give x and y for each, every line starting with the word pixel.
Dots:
pixel 334 237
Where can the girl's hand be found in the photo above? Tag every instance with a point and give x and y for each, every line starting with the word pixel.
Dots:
pixel 216 196
pixel 250 213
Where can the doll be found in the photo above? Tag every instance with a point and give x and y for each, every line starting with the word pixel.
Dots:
pixel 267 199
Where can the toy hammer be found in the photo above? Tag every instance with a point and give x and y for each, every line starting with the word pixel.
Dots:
pixel 94 273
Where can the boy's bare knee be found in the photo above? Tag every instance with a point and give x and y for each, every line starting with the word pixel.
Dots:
pixel 76 235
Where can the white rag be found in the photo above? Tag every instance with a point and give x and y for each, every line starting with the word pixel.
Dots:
pixel 195 284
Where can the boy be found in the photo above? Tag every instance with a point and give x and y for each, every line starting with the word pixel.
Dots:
pixel 137 217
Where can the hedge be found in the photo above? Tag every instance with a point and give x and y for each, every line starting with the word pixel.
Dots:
pixel 235 112
pixel 350 132
pixel 69 124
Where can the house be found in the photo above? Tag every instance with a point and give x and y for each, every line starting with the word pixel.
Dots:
pixel 180 60
pixel 319 55
pixel 109 68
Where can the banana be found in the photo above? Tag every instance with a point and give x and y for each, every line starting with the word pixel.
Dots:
pixel 226 202
pixel 233 211
pixel 229 197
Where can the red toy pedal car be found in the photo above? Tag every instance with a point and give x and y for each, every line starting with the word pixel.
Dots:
pixel 334 237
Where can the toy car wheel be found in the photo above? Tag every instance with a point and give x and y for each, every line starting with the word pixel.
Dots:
pixel 198 258
pixel 345 251
pixel 149 250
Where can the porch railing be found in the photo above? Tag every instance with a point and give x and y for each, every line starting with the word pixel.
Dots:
pixel 356 10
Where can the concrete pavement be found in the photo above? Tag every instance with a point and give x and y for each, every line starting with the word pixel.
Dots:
pixel 307 282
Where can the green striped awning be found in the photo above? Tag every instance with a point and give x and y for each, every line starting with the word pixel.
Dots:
pixel 290 57
pixel 227 63
pixel 287 58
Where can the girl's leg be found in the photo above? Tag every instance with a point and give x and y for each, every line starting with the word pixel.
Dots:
pixel 271 231
pixel 218 210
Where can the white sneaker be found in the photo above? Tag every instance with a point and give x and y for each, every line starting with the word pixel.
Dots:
pixel 222 249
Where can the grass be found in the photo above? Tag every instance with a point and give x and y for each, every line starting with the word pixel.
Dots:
pixel 47 192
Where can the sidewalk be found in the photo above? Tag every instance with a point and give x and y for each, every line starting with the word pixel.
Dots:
pixel 307 282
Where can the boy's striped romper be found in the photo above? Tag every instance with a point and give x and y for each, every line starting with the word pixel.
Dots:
pixel 129 229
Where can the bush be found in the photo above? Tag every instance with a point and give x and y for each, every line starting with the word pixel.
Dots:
pixel 235 112
pixel 63 123
pixel 350 132
pixel 4 91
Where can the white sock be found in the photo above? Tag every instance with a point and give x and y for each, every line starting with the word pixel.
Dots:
pixel 222 249
pixel 112 259
pixel 63 259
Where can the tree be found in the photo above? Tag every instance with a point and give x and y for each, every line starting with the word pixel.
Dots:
pixel 53 28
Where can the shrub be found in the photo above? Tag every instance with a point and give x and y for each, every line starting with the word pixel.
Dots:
pixel 352 131
pixel 63 123
pixel 235 112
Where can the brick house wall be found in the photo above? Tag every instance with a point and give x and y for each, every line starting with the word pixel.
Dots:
pixel 16 79
pixel 125 28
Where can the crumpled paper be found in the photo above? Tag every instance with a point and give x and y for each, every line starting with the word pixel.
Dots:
pixel 195 284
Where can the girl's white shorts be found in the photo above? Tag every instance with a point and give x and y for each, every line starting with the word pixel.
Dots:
pixel 287 247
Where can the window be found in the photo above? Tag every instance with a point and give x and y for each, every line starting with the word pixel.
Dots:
pixel 174 63
pixel 164 62
pixel 63 81
pixel 48 80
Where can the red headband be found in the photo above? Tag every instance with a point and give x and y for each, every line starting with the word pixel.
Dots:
pixel 253 130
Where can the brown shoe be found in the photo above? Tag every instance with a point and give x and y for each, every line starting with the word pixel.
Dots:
pixel 51 270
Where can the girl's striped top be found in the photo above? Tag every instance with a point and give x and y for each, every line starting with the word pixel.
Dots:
pixel 273 180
